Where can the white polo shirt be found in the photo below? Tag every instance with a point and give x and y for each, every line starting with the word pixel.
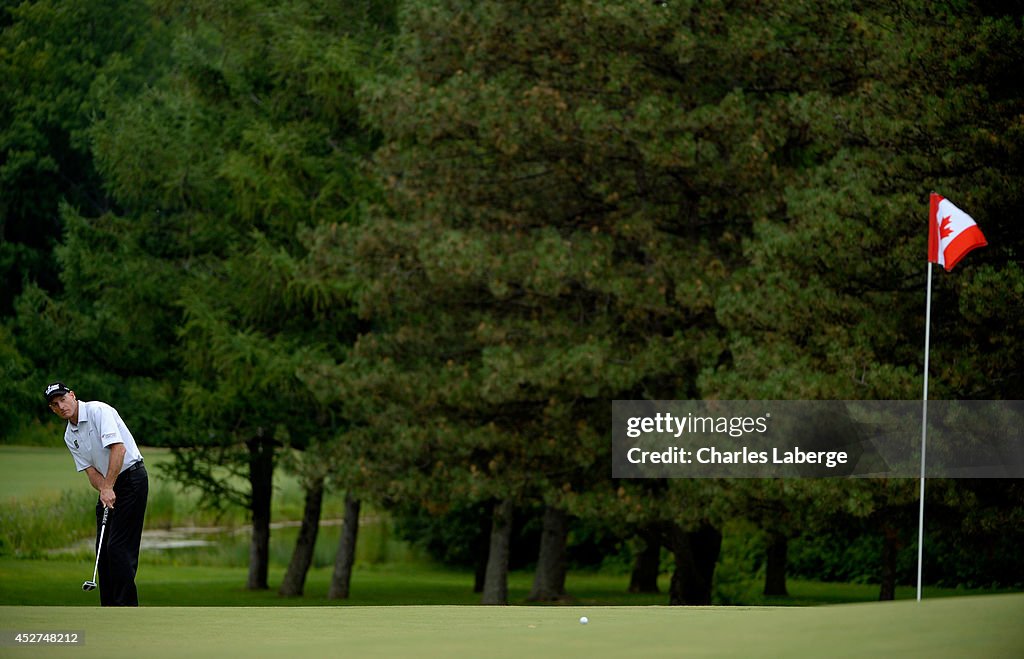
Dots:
pixel 99 426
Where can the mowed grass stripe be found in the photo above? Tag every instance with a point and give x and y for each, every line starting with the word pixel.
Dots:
pixel 954 627
pixel 58 582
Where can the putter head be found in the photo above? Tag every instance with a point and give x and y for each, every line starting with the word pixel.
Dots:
pixel 89 585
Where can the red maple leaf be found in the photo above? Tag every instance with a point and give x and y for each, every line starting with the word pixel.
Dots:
pixel 944 229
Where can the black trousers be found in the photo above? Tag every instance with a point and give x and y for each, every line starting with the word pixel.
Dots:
pixel 119 558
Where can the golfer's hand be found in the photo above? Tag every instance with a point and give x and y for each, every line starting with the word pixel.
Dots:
pixel 107 497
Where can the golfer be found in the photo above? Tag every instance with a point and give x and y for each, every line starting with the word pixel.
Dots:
pixel 105 450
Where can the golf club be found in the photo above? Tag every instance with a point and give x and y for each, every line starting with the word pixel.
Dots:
pixel 91 585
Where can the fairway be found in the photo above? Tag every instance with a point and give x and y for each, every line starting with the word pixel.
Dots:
pixel 955 627
pixel 42 471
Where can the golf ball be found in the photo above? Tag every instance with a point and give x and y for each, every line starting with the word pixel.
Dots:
pixel 584 620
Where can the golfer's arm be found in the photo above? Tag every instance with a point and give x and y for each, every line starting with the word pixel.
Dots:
pixel 97 480
pixel 114 468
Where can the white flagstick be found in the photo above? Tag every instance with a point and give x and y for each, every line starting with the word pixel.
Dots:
pixel 924 429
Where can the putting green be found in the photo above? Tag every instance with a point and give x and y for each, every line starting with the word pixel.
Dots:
pixel 954 627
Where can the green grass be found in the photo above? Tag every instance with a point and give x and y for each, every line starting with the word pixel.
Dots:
pixel 58 583
pixel 958 627
pixel 35 472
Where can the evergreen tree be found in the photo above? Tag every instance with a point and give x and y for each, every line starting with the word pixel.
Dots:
pixel 251 140
pixel 57 59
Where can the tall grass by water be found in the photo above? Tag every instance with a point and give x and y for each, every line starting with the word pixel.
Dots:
pixel 29 529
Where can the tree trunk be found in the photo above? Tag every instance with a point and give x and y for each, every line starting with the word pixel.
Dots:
pixel 346 555
pixel 261 482
pixel 890 550
pixel 481 545
pixel 480 569
pixel 549 579
pixel 496 577
pixel 696 554
pixel 647 564
pixel 775 566
pixel 295 577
